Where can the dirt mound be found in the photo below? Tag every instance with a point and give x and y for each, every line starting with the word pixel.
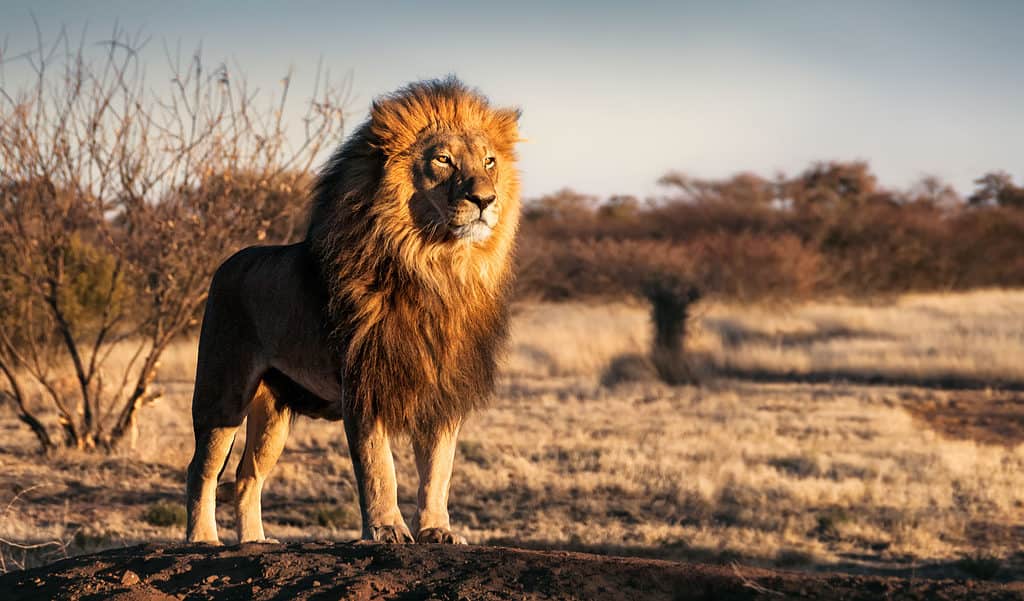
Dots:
pixel 372 571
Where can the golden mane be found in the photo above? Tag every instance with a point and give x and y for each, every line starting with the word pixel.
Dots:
pixel 418 317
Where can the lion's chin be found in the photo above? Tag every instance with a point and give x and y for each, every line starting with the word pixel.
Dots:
pixel 476 231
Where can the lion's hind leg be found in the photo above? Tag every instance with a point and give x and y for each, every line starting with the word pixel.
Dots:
pixel 213 445
pixel 219 406
pixel 266 431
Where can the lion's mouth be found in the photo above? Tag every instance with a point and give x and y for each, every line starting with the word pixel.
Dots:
pixel 474 231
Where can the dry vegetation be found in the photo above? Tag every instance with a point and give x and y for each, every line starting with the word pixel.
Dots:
pixel 831 230
pixel 825 474
pixel 118 201
pixel 972 339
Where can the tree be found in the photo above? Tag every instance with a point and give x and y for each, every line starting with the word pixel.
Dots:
pixel 116 205
pixel 565 205
pixel 619 207
pixel 833 184
pixel 744 188
pixel 932 191
pixel 996 188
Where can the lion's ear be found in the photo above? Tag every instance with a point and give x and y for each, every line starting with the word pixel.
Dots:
pixel 505 127
pixel 509 114
pixel 389 123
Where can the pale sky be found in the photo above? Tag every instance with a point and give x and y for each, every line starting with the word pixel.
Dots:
pixel 614 94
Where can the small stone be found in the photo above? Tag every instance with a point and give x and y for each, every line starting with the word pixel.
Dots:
pixel 210 579
pixel 129 578
pixel 316 583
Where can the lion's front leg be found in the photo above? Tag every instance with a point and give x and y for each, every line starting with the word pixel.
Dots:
pixel 435 457
pixel 370 448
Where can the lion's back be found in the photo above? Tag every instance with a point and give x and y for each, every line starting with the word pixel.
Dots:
pixel 266 293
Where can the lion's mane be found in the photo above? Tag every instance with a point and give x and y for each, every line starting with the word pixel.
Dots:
pixel 417 319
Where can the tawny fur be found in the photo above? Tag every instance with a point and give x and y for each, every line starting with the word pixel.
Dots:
pixel 417 317
pixel 385 316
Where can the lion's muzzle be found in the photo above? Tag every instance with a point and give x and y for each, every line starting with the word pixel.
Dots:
pixel 476 230
pixel 476 212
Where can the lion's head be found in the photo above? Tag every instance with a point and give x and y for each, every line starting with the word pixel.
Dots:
pixel 434 168
pixel 413 226
pixel 448 161
pixel 456 177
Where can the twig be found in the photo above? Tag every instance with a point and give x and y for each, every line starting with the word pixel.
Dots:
pixel 751 584
pixel 19 495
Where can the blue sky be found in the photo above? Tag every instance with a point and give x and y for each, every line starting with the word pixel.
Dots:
pixel 614 94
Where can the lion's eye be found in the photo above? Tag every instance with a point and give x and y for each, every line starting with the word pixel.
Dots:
pixel 443 159
pixel 489 162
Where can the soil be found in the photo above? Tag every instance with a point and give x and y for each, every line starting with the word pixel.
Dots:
pixel 365 571
pixel 985 416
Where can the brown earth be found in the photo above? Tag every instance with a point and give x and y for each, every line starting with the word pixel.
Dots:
pixel 987 416
pixel 364 571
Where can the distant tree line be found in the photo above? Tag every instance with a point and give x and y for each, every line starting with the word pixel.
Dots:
pixel 831 230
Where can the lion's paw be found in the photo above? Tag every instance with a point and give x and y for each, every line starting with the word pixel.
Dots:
pixel 215 542
pixel 440 535
pixel 390 534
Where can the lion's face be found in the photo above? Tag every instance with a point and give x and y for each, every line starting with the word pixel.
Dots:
pixel 456 180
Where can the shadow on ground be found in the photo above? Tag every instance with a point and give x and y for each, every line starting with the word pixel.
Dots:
pixel 981 567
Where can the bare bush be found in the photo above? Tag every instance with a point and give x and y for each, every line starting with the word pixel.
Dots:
pixel 117 202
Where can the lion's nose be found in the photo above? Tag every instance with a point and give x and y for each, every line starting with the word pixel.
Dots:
pixel 480 200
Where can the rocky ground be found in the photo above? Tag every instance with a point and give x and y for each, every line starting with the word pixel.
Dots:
pixel 362 571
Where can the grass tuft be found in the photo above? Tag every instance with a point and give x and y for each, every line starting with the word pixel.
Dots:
pixel 165 514
pixel 336 516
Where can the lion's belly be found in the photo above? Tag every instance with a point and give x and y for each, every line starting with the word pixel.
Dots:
pixel 320 383
pixel 315 393
pixel 307 360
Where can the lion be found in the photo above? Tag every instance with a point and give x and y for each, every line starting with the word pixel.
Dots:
pixel 387 316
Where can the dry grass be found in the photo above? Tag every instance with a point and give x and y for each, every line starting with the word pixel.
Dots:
pixel 974 337
pixel 558 340
pixel 794 474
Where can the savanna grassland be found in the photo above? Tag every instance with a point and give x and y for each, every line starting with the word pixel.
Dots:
pixel 882 437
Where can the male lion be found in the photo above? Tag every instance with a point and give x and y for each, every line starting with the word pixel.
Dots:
pixel 387 316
